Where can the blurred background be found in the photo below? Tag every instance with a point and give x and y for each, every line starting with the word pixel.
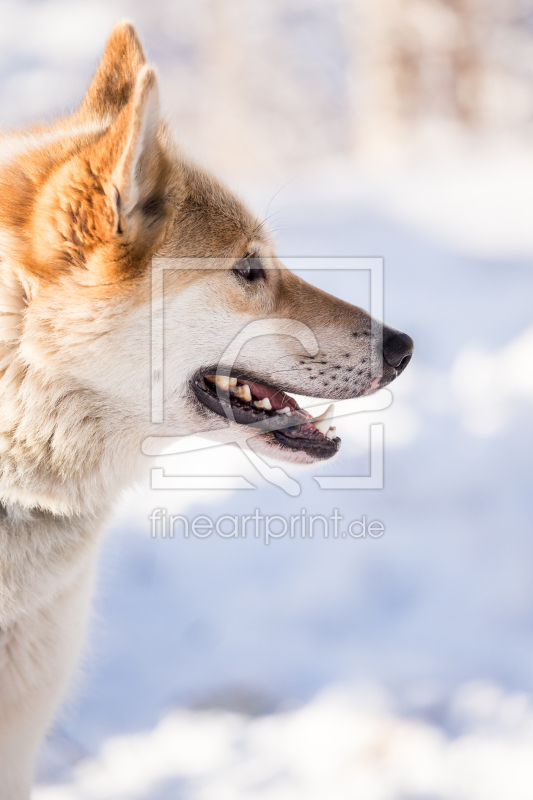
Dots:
pixel 397 668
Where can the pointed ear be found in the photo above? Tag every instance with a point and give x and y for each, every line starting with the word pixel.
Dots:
pixel 133 165
pixel 133 141
pixel 107 209
pixel 112 85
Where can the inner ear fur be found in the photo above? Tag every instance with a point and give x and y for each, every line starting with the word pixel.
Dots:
pixel 134 169
pixel 129 155
pixel 105 212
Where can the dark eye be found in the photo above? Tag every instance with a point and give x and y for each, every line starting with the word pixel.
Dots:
pixel 249 268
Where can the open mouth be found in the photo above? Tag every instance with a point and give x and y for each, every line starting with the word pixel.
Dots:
pixel 269 410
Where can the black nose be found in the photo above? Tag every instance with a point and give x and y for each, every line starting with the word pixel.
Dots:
pixel 397 348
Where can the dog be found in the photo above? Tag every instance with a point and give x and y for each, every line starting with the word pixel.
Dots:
pixel 88 206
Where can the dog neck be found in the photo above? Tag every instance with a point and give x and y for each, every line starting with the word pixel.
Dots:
pixel 62 449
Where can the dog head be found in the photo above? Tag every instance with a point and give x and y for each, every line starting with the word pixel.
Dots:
pixel 111 234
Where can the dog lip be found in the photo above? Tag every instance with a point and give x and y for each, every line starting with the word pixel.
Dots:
pixel 248 415
pixel 320 449
pixel 294 431
pixel 220 404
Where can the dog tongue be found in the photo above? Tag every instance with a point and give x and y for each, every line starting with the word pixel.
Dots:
pixel 278 399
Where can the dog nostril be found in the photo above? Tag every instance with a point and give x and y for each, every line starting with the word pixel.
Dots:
pixel 397 348
pixel 404 362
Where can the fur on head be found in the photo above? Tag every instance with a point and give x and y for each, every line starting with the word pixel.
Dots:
pixel 85 206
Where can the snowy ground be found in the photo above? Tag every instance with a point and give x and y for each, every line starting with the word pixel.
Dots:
pixel 392 668
pixel 337 746
pixel 399 667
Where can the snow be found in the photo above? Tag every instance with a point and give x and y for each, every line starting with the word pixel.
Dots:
pixel 339 745
pixel 227 668
pixel 388 668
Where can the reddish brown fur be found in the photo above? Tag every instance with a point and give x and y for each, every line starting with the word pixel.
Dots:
pixel 59 198
pixel 111 87
pixel 84 205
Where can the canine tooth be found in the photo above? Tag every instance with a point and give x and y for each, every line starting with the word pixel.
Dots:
pixel 323 421
pixel 243 392
pixel 285 410
pixel 328 413
pixel 264 403
pixel 322 426
pixel 331 434
pixel 223 381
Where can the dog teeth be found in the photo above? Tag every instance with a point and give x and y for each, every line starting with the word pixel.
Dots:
pixel 264 403
pixel 243 392
pixel 223 382
pixel 323 421
pixel 323 426
pixel 285 410
pixel 328 413
pixel 332 433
